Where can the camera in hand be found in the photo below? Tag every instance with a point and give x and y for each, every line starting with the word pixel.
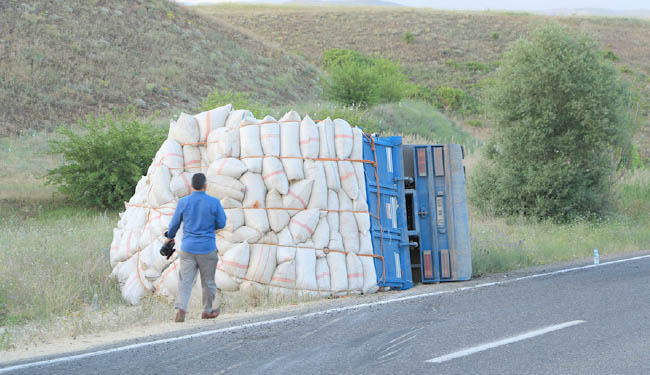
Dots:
pixel 167 249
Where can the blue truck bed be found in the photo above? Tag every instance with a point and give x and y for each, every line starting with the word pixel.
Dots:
pixel 419 222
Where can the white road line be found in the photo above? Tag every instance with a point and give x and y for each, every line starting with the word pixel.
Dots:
pixel 298 317
pixel 509 340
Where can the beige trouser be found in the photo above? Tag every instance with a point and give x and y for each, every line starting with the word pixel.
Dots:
pixel 206 264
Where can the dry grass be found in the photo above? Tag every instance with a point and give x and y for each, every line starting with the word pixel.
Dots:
pixel 62 60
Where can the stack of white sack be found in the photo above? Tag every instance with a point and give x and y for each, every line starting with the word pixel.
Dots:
pixel 294 196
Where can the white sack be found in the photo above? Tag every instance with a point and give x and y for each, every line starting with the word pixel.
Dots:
pixel 321 236
pixel 298 196
pixel 160 192
pixel 262 263
pixel 170 155
pixel 290 145
pixel 274 176
pixel 278 219
pixel 246 234
pixel 231 203
pixel 303 224
pixel 205 163
pixel 235 219
pixel 235 260
pixel 255 196
pixel 181 185
pixel 348 224
pixel 314 171
pixel 285 238
pixel 257 219
pixel 348 179
pixel 167 284
pixel 191 159
pixel 355 272
pixel 285 254
pixel 328 150
pixel 323 276
pixel 306 269
pixel 230 167
pixel 362 216
pixel 270 136
pixel 186 129
pixel 224 281
pixel 343 139
pixel 285 275
pixel 224 187
pixel 338 273
pixel 235 118
pixel 223 143
pixel 309 140
pixel 333 207
pixel 212 119
pixel 251 148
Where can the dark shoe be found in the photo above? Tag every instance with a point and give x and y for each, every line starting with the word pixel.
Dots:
pixel 211 315
pixel 180 316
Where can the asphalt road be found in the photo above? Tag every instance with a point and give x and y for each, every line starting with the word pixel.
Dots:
pixel 509 328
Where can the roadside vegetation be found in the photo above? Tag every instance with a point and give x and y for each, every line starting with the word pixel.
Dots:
pixel 54 277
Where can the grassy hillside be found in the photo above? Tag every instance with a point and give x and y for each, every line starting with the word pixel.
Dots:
pixel 62 59
pixel 457 49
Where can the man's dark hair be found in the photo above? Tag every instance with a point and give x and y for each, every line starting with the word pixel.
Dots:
pixel 198 181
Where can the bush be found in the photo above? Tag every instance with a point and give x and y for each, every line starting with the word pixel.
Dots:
pixel 338 57
pixel 423 93
pixel 495 36
pixel 355 82
pixel 239 100
pixel 104 163
pixel 408 37
pixel 456 100
pixel 560 130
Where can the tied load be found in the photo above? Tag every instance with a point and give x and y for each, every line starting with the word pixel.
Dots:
pixel 294 194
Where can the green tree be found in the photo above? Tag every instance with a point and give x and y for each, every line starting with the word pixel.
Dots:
pixel 105 160
pixel 560 130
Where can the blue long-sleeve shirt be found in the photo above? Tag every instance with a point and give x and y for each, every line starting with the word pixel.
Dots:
pixel 201 215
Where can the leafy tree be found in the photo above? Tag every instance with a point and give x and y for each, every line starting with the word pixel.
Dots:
pixel 560 130
pixel 356 80
pixel 105 160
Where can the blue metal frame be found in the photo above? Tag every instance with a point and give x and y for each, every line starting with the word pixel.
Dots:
pixel 391 211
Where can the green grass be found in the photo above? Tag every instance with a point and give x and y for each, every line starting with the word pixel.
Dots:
pixel 500 245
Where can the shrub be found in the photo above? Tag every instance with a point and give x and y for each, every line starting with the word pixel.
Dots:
pixel 475 66
pixel 338 57
pixel 104 162
pixel 239 100
pixel 354 81
pixel 475 123
pixel 609 55
pixel 456 100
pixel 408 37
pixel 495 36
pixel 560 130
pixel 422 93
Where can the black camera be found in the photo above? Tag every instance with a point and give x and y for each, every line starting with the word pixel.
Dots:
pixel 167 249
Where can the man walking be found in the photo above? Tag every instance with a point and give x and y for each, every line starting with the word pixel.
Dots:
pixel 201 215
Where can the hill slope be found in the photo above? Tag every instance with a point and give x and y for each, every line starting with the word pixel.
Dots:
pixel 457 49
pixel 62 59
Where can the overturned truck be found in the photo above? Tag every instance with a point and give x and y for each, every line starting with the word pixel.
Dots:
pixel 313 208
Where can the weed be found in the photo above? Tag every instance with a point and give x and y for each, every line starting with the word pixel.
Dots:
pixel 408 37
